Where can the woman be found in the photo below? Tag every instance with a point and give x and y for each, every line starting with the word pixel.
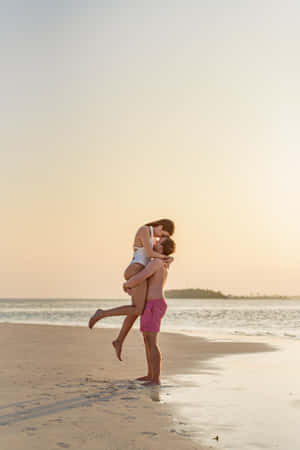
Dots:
pixel 143 251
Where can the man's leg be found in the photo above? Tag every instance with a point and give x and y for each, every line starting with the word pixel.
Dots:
pixel 155 357
pixel 149 375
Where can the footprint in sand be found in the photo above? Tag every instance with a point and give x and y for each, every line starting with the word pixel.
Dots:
pixel 62 445
pixel 149 433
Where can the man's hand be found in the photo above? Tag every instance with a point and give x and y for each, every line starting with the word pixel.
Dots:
pixel 168 261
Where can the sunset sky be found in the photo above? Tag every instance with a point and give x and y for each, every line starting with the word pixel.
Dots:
pixel 117 113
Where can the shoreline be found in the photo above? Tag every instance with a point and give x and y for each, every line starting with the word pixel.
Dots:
pixel 249 401
pixel 206 333
pixel 58 382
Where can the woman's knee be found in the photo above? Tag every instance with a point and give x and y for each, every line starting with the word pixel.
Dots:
pixel 132 270
pixel 139 309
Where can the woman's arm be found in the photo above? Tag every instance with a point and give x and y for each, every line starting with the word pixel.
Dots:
pixel 144 237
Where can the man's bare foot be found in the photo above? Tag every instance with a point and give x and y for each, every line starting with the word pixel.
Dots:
pixel 152 383
pixel 118 348
pixel 146 378
pixel 95 317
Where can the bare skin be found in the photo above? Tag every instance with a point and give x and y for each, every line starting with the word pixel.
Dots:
pixel 156 273
pixel 138 294
pixel 145 378
pixel 138 297
pixel 132 311
pixel 149 375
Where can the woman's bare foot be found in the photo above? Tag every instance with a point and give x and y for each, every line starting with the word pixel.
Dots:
pixel 118 348
pixel 146 378
pixel 152 383
pixel 97 316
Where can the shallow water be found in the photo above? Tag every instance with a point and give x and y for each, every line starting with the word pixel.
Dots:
pixel 248 401
pixel 249 317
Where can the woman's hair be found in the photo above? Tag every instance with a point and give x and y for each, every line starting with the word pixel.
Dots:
pixel 168 246
pixel 167 225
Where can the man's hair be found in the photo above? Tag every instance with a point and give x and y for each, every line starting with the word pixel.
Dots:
pixel 168 246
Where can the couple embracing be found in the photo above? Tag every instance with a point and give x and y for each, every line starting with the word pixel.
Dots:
pixel 145 278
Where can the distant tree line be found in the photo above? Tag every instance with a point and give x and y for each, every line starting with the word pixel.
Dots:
pixel 194 293
pixel 208 293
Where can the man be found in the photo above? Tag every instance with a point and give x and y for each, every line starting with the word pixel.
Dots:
pixel 156 273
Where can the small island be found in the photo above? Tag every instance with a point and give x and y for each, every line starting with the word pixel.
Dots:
pixel 194 293
pixel 208 293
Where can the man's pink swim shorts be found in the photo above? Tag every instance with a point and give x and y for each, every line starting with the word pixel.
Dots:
pixel 152 315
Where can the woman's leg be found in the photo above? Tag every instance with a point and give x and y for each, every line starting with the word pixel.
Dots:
pixel 131 311
pixel 134 309
pixel 138 301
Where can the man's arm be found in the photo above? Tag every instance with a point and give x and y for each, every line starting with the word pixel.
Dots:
pixel 150 269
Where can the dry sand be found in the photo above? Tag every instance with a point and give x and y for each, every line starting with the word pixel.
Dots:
pixel 62 387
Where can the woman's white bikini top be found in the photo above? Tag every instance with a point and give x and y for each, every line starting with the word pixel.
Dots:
pixel 139 255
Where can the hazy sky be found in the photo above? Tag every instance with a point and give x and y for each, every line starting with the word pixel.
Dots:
pixel 117 113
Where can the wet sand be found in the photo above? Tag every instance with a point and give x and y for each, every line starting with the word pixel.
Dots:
pixel 250 401
pixel 63 387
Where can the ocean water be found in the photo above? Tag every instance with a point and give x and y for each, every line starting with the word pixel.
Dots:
pixel 246 317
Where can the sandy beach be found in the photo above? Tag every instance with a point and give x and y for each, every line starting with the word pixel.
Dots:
pixel 62 387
